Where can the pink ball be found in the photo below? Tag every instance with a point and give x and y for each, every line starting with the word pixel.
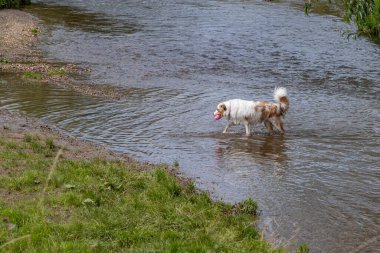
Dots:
pixel 217 117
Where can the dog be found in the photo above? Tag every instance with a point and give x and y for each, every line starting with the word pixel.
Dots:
pixel 250 113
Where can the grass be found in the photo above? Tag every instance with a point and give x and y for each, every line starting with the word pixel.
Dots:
pixel 34 31
pixel 39 76
pixel 105 206
pixel 4 60
pixel 32 75
pixel 56 72
pixel 302 248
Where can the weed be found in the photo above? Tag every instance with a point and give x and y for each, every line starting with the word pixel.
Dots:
pixel 191 188
pixel 302 248
pixel 56 72
pixel 34 31
pixel 248 206
pixel 4 60
pixel 12 145
pixel 307 7
pixel 50 144
pixel 32 75
pixel 28 138
pixel 36 145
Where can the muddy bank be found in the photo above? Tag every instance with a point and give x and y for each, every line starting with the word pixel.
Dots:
pixel 19 54
pixel 17 126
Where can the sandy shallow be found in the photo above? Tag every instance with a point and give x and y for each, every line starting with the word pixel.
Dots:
pixel 19 53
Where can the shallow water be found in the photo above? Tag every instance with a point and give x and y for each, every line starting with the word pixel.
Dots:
pixel 175 60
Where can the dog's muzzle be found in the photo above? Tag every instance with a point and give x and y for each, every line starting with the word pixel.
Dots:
pixel 218 115
pixel 217 112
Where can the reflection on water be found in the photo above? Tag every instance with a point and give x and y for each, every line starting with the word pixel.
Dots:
pixel 263 151
pixel 179 59
pixel 77 19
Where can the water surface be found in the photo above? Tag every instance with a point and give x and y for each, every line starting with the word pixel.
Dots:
pixel 175 60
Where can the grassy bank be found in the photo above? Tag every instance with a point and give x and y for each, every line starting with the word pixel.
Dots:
pixel 107 206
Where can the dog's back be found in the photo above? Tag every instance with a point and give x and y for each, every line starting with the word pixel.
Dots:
pixel 239 110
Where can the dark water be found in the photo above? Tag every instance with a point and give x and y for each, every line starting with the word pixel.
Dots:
pixel 175 60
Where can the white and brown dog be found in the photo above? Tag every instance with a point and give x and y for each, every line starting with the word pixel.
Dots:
pixel 249 113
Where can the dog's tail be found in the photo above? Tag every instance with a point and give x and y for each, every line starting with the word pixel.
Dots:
pixel 281 97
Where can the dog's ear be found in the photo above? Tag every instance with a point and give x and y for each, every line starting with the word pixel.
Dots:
pixel 224 107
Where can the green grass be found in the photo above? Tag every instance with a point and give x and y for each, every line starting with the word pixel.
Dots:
pixel 4 60
pixel 56 72
pixel 302 248
pixel 32 75
pixel 34 31
pixel 105 206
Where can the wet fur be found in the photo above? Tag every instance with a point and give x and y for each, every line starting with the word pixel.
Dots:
pixel 250 113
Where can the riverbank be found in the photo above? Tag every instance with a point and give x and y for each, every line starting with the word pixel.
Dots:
pixel 59 193
pixel 19 54
pixel 62 194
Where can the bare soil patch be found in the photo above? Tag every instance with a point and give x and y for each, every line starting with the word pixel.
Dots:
pixel 19 37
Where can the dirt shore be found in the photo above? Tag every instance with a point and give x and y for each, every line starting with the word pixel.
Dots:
pixel 17 40
pixel 16 126
pixel 19 53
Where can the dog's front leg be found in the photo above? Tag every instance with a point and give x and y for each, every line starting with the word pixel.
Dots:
pixel 247 129
pixel 229 124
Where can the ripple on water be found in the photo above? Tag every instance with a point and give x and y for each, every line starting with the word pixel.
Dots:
pixel 175 61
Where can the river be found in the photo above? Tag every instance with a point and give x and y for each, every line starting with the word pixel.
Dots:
pixel 176 60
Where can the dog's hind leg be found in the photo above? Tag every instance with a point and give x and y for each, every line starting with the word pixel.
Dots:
pixel 269 126
pixel 279 124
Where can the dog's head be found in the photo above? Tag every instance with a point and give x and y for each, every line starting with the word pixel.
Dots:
pixel 220 109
